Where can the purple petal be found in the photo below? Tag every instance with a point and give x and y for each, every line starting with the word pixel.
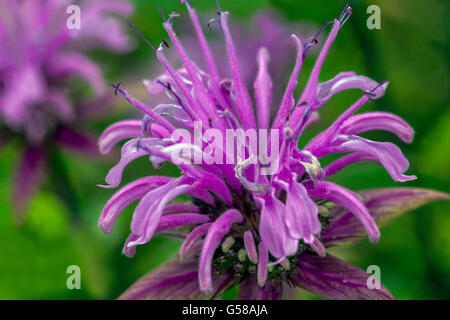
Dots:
pixel 348 80
pixel 215 234
pixel 243 102
pixel 302 219
pixel 158 131
pixel 125 196
pixel 250 291
pixel 250 247
pixel 384 206
pixel 205 49
pixel 318 247
pixel 117 132
pixel 288 99
pixel 347 199
pixel 273 230
pixel 263 262
pixel 149 210
pixel 378 121
pixel 192 107
pixel 347 160
pixel 332 278
pixel 130 152
pixel 320 144
pixel 176 220
pixel 387 154
pixel 217 186
pixel 200 91
pixel 263 89
pixel 181 208
pixel 310 91
pixel 130 251
pixel 192 239
pixel 148 111
pixel 173 280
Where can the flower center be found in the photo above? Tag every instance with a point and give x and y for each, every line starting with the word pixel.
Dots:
pixel 231 256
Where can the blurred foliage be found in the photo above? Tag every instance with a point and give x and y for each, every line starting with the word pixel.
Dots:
pixel 411 51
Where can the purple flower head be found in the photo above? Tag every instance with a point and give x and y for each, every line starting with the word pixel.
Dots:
pixel 39 57
pixel 245 225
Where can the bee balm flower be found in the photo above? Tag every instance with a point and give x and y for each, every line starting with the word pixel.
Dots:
pixel 244 226
pixel 38 57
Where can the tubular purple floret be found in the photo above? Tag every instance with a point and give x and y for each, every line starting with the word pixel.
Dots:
pixel 244 104
pixel 209 59
pixel 191 102
pixel 198 85
pixel 285 107
pixel 143 107
pixel 305 117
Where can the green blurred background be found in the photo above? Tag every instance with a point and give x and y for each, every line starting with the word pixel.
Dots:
pixel 411 51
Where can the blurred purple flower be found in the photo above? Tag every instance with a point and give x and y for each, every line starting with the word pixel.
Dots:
pixel 242 227
pixel 38 57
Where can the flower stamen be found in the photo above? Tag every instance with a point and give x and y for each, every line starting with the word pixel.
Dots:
pixel 345 14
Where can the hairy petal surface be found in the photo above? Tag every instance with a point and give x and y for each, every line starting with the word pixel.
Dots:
pixel 273 230
pixel 346 198
pixel 192 239
pixel 301 213
pixel 263 89
pixel 250 247
pixel 125 196
pixel 131 151
pixel 249 291
pixel 215 234
pixel 386 153
pixel 344 81
pixel 378 121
